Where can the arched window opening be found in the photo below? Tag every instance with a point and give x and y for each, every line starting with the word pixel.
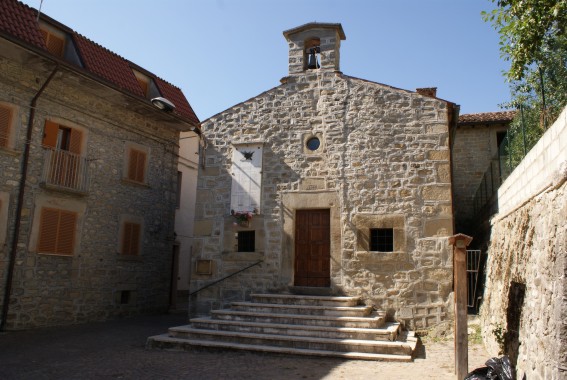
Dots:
pixel 312 54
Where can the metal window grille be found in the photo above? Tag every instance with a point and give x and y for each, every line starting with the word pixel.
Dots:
pixel 246 241
pixel 382 239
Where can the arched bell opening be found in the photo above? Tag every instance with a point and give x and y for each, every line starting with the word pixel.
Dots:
pixel 312 54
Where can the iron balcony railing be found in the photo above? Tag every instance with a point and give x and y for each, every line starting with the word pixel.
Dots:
pixel 65 170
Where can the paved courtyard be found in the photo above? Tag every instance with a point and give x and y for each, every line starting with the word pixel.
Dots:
pixel 115 350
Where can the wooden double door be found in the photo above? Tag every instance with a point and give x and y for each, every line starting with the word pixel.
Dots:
pixel 312 248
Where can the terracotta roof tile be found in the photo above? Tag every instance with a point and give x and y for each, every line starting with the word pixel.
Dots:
pixel 19 21
pixel 487 117
pixel 176 96
pixel 106 64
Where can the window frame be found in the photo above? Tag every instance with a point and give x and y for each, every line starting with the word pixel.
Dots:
pixel 125 237
pixel 247 244
pixel 44 242
pixel 131 236
pixel 375 242
pixel 75 136
pixel 50 34
pixel 9 126
pixel 137 168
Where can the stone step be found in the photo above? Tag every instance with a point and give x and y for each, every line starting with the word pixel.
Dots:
pixel 314 325
pixel 170 343
pixel 270 342
pixel 372 321
pixel 293 299
pixel 345 311
pixel 388 332
pixel 310 291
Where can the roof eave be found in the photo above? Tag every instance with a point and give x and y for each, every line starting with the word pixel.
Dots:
pixel 85 73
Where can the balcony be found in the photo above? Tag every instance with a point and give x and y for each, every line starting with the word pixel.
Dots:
pixel 65 171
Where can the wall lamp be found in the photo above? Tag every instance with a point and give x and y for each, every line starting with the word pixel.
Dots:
pixel 163 104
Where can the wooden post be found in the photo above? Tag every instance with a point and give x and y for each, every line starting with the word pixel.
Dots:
pixel 460 243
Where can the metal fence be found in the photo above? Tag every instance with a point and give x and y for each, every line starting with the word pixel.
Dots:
pixel 65 170
pixel 473 275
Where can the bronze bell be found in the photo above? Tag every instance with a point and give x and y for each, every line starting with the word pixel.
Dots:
pixel 312 62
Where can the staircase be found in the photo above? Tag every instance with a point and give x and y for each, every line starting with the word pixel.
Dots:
pixel 295 324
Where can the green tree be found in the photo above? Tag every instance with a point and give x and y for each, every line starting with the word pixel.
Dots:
pixel 533 37
pixel 528 30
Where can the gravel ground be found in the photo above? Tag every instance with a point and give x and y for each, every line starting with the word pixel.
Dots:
pixel 116 350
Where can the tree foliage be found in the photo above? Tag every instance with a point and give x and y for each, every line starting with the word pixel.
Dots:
pixel 533 37
pixel 528 30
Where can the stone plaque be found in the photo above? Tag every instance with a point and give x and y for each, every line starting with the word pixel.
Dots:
pixel 312 184
pixel 204 267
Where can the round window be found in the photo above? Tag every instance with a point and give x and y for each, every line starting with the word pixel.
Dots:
pixel 313 143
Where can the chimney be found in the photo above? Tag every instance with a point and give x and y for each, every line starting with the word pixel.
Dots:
pixel 427 91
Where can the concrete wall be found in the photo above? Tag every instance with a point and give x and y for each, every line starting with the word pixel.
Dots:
pixel 528 250
pixel 383 161
pixel 533 174
pixel 90 284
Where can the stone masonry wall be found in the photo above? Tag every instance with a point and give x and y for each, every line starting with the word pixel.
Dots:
pixel 473 150
pixel 383 161
pixel 55 290
pixel 528 249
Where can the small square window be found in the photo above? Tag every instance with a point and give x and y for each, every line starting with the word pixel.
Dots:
pixel 246 241
pixel 382 239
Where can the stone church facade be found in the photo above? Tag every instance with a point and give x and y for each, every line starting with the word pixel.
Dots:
pixel 328 183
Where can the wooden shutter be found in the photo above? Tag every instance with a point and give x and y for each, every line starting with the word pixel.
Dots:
pixel 55 45
pixel 50 132
pixel 136 165
pixel 5 124
pixel 45 35
pixel 57 231
pixel 48 231
pixel 66 232
pixel 131 238
pixel 144 85
pixel 75 141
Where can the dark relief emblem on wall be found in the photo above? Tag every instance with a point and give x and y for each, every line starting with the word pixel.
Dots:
pixel 247 155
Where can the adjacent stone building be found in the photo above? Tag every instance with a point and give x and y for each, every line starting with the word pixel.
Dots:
pixel 88 176
pixel 477 168
pixel 328 183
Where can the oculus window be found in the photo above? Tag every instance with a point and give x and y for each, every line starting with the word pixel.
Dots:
pixel 313 143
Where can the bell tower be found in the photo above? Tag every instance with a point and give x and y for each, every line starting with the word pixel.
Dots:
pixel 314 46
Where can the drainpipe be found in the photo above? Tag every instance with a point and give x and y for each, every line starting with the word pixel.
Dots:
pixel 19 205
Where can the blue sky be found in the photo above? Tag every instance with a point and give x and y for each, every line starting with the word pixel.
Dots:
pixel 222 52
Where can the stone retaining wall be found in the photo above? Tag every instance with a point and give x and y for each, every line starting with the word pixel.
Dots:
pixel 527 261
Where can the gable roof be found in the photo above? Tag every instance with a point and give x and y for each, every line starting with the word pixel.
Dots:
pixel 502 117
pixel 19 22
pixel 316 25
